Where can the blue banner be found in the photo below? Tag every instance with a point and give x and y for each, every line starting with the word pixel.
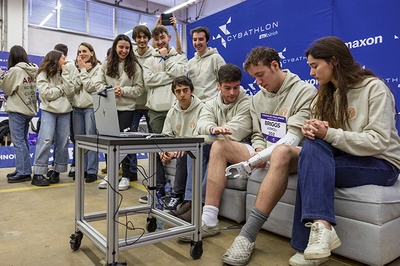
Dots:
pixel 370 28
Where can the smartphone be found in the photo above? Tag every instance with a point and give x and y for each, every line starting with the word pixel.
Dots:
pixel 165 19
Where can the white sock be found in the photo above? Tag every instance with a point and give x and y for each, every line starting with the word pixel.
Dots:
pixel 210 215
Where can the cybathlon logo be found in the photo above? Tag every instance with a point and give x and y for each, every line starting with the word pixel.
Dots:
pixel 285 59
pixel 263 31
pixel 365 42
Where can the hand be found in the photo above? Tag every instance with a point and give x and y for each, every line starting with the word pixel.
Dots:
pixel 315 128
pixel 173 21
pixel 163 52
pixel 220 131
pixel 166 157
pixel 117 91
pixel 159 20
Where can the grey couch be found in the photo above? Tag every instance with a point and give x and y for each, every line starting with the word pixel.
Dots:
pixel 368 217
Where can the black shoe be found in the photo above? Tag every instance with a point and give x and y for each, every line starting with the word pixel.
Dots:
pixel 90 178
pixel 54 178
pixel 40 180
pixel 49 173
pixel 71 172
pixel 12 174
pixel 18 178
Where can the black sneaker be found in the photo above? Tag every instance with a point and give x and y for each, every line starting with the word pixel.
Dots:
pixel 49 173
pixel 144 199
pixel 18 178
pixel 175 201
pixel 40 180
pixel 54 178
pixel 71 172
pixel 90 178
pixel 12 174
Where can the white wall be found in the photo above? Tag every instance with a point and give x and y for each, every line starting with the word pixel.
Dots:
pixel 39 41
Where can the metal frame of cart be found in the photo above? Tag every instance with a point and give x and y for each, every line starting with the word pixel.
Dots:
pixel 117 148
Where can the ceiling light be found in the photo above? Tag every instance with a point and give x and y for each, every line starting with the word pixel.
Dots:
pixel 180 6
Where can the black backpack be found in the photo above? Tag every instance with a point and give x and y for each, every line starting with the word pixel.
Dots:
pixel 4 131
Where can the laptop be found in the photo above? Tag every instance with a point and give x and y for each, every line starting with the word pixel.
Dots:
pixel 105 113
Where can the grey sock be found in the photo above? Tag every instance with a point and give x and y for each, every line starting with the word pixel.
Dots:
pixel 253 224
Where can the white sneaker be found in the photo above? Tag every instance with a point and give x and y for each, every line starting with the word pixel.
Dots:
pixel 124 184
pixel 206 231
pixel 239 252
pixel 104 183
pixel 299 260
pixel 320 242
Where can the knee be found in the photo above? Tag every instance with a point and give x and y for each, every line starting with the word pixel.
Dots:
pixel 282 154
pixel 218 147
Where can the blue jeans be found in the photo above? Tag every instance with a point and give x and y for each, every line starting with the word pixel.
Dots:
pixel 19 127
pixel 84 124
pixel 189 180
pixel 322 168
pixel 53 126
pixel 137 115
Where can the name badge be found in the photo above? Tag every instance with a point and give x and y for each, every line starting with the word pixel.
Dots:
pixel 273 127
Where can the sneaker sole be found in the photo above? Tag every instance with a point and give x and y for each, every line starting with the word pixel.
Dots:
pixel 321 255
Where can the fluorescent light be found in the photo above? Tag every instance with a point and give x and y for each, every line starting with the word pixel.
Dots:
pixel 46 19
pixel 128 32
pixel 180 6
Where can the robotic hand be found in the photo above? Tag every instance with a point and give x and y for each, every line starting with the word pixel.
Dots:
pixel 243 169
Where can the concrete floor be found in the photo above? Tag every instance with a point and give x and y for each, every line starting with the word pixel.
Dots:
pixel 36 224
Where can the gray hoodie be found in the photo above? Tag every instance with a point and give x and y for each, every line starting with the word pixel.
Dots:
pixel 203 71
pixel 235 116
pixel 292 101
pixel 20 85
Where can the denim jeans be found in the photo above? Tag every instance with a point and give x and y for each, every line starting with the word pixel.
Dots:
pixel 125 119
pixel 180 175
pixel 72 137
pixel 84 124
pixel 53 126
pixel 19 127
pixel 189 180
pixel 137 115
pixel 322 168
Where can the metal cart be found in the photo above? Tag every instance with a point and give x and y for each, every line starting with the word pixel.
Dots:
pixel 116 148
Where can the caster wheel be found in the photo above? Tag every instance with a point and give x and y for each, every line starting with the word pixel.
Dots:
pixel 151 225
pixel 196 250
pixel 75 240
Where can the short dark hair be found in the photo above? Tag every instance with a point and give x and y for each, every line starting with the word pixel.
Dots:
pixel 141 28
pixel 229 73
pixel 182 80
pixel 159 29
pixel 201 29
pixel 62 48
pixel 264 54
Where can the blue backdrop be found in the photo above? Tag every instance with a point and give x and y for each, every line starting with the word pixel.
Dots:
pixel 370 28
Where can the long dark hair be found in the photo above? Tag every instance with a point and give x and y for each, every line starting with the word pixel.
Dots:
pixel 50 63
pixel 113 59
pixel 93 59
pixel 17 55
pixel 345 70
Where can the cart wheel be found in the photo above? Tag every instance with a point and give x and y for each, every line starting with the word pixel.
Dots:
pixel 151 225
pixel 196 249
pixel 75 240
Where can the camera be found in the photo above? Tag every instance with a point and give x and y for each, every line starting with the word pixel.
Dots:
pixel 165 19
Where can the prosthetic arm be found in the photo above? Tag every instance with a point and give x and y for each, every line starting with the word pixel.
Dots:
pixel 243 169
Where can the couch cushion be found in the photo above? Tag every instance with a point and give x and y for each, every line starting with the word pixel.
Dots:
pixel 356 203
pixel 236 183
